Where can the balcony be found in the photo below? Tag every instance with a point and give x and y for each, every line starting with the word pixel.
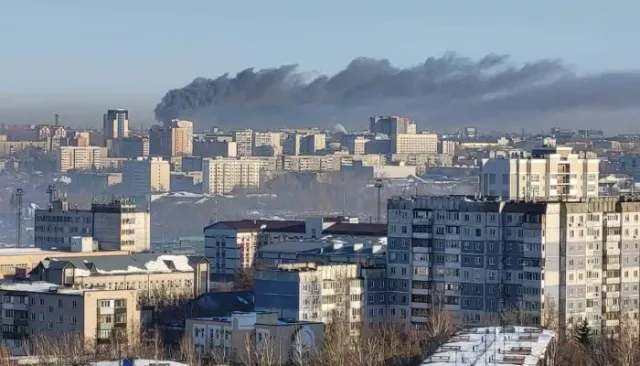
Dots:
pixel 612 266
pixel 612 281
pixel 611 295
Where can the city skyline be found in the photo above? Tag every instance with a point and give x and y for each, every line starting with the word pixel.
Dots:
pixel 67 72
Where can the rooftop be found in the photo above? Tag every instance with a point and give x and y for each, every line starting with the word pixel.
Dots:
pixel 37 286
pixel 120 264
pixel 511 345
pixel 356 229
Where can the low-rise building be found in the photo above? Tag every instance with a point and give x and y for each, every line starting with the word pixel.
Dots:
pixel 32 309
pixel 235 338
pixel 509 345
pixel 153 276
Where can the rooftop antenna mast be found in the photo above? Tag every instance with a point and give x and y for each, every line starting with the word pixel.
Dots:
pixel 379 185
pixel 19 193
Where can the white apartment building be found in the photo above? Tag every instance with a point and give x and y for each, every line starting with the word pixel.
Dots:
pixel 479 258
pixel 222 176
pixel 115 124
pixel 80 158
pixel 549 174
pixel 146 175
pixel 423 143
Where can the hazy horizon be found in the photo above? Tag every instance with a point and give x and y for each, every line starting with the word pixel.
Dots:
pixel 79 59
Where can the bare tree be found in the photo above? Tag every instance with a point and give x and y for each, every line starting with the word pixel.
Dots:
pixel 188 353
pixel 261 352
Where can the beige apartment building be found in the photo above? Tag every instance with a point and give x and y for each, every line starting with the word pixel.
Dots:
pixel 181 135
pixel 549 174
pixel 80 158
pixel 221 176
pixel 152 276
pixel 406 143
pixel 244 141
pixel 18 262
pixel 312 143
pixel 146 175
pixel 267 144
pixel 115 225
pixel 235 337
pixel 31 309
pixel 311 163
pixel 10 147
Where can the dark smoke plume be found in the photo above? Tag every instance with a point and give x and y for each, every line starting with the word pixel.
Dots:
pixel 446 92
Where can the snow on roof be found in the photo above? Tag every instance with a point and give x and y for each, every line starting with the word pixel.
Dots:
pixel 37 286
pixel 159 265
pixel 493 345
pixel 21 251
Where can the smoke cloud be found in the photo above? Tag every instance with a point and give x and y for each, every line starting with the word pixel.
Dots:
pixel 441 93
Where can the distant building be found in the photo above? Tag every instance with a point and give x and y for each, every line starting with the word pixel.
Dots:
pixel 244 141
pixel 423 143
pixel 80 158
pixel 470 132
pixel 117 225
pixel 221 176
pixel 310 144
pixel 181 137
pixel 159 141
pixel 392 125
pixel 267 144
pixel 128 147
pixel 365 171
pixel 146 175
pixel 116 124
pixel 97 314
pixel 214 148
pixel 550 173
pixel 292 144
pixel 289 341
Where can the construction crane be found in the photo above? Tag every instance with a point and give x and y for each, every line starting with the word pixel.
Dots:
pixel 18 201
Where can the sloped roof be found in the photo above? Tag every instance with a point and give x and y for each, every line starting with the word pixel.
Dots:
pixel 264 225
pixel 121 263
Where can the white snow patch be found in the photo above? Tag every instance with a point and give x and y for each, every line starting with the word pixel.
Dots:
pixel 242 300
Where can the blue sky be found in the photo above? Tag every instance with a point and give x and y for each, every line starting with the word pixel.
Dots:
pixel 144 47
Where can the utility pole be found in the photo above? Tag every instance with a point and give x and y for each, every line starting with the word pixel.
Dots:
pixel 378 185
pixel 19 193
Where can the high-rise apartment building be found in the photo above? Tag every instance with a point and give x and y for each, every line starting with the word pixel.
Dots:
pixel 181 138
pixel 221 176
pixel 214 148
pixel 31 309
pixel 244 141
pixel 312 143
pixel 129 147
pixel 116 124
pixel 267 144
pixel 159 141
pixel 80 158
pixel 292 144
pixel 549 174
pixel 481 257
pixel 146 175
pixel 116 225
pixel 392 125
pixel 422 143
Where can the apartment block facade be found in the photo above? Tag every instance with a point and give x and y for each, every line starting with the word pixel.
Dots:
pixel 323 293
pixel 116 225
pixel 152 276
pixel 232 338
pixel 146 175
pixel 549 174
pixel 31 309
pixel 222 176
pixel 392 125
pixel 80 158
pixel 481 257
pixel 181 137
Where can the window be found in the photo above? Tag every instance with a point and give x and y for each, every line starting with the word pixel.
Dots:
pixel 50 325
pixel 41 302
pixel 73 320
pixel 60 303
pixel 60 319
pixel 74 304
